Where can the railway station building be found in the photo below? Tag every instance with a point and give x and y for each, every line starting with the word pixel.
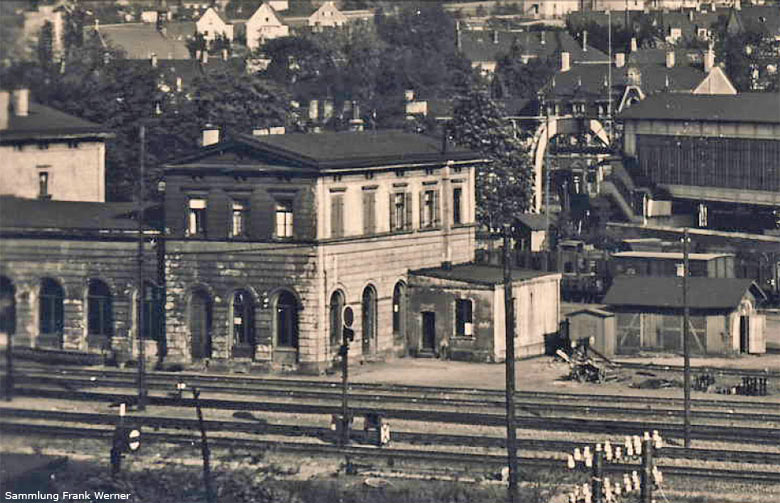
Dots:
pixel 269 236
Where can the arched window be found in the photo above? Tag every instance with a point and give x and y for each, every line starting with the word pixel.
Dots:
pixel 368 309
pixel 336 308
pixel 100 317
pixel 243 324
pixel 287 320
pixel 7 306
pixel 399 309
pixel 200 324
pixel 153 312
pixel 51 315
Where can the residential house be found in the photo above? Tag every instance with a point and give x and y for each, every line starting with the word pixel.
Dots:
pixel 264 24
pixel 327 16
pixel 212 24
pixel 723 315
pixel 458 312
pixel 47 154
pixel 549 9
pixel 35 20
pixel 271 235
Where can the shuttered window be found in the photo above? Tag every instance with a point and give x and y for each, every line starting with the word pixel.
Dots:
pixel 336 215
pixel 400 211
pixel 369 212
pixel 429 208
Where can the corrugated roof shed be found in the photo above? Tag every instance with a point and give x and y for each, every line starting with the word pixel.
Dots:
pixel 46 122
pixel 744 107
pixel 666 292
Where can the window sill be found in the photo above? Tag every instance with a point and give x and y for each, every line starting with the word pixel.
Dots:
pixel 430 229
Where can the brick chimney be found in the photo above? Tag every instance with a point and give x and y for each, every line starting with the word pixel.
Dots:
pixel 356 123
pixel 5 102
pixel 224 54
pixel 458 41
pixel 20 99
pixel 542 38
pixel 620 60
pixel 709 60
pixel 634 47
pixel 409 95
pixel 153 60
pixel 670 59
pixel 178 84
pixel 565 61
pixel 210 135
pixel 495 36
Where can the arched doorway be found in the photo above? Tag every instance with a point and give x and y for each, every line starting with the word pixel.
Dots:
pixel 100 314
pixel 200 325
pixel 7 306
pixel 369 308
pixel 243 321
pixel 336 307
pixel 399 311
pixel 287 320
pixel 51 319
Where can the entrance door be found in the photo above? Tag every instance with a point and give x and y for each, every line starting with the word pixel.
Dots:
pixel 428 331
pixel 744 334
pixel 369 320
pixel 200 326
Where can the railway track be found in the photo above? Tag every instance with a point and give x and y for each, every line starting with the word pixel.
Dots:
pixel 258 427
pixel 703 432
pixel 311 389
pixel 390 456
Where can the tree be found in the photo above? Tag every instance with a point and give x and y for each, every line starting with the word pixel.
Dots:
pixel 504 184
pixel 523 80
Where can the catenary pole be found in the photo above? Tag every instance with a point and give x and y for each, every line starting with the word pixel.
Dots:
pixel 686 345
pixel 511 431
pixel 141 289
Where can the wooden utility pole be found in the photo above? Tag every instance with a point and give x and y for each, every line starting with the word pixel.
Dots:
pixel 511 431
pixel 141 290
pixel 686 345
pixel 204 447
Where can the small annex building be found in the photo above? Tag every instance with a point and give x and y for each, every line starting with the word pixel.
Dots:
pixel 723 317
pixel 457 312
pixel 596 323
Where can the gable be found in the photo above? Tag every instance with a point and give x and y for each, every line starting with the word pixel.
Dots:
pixel 264 16
pixel 716 82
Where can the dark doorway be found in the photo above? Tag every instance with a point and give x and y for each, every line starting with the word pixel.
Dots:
pixel 744 334
pixel 51 321
pixel 200 325
pixel 368 309
pixel 7 306
pixel 428 331
pixel 287 321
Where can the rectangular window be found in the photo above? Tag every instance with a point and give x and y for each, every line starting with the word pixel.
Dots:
pixel 336 215
pixel 400 211
pixel 43 185
pixel 464 325
pixel 429 208
pixel 240 219
pixel 369 212
pixel 457 196
pixel 196 220
pixel 284 219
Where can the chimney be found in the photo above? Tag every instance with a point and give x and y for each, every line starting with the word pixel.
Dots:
pixel 620 60
pixel 261 132
pixel 21 102
pixel 565 62
pixel 670 59
pixel 709 60
pixel 585 40
pixel 153 60
pixel 327 109
pixel 690 15
pixel 458 42
pixel 314 106
pixel 356 123
pixel 409 95
pixel 210 135
pixel 542 38
pixel 178 84
pixel 205 56
pixel 633 44
pixel 495 36
pixel 5 102
pixel 224 54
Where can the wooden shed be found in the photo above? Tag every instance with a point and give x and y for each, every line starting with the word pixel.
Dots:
pixel 596 323
pixel 723 317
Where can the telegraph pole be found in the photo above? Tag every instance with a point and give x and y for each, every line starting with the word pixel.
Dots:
pixel 347 336
pixel 511 431
pixel 141 290
pixel 686 345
